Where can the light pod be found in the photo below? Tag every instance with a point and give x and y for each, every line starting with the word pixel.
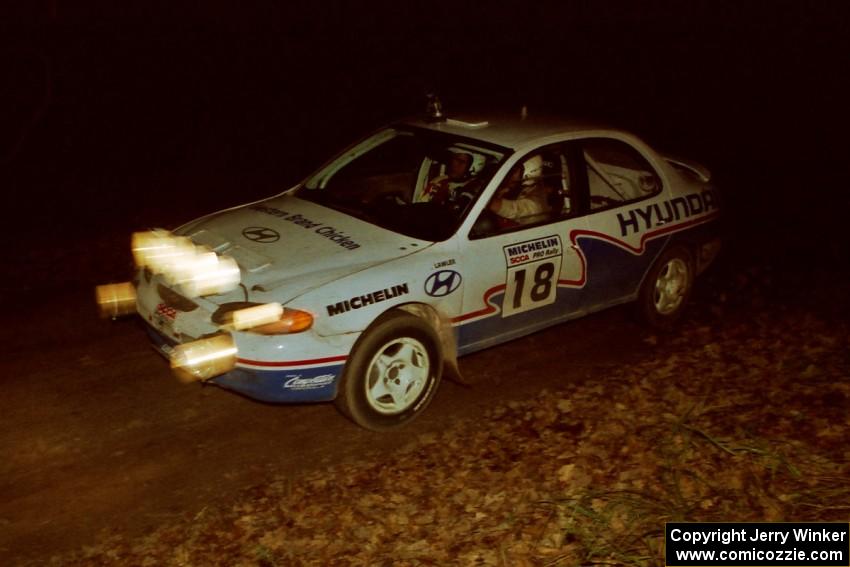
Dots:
pixel 204 358
pixel 115 300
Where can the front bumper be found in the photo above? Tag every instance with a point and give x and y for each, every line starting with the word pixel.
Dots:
pixel 311 380
pixel 300 367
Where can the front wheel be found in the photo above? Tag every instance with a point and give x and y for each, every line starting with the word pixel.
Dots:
pixel 392 373
pixel 666 289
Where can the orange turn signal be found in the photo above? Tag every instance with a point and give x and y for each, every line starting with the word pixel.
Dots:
pixel 291 321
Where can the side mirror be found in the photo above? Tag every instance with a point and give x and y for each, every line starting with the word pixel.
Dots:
pixel 486 225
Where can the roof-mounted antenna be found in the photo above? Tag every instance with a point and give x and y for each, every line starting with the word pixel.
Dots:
pixel 434 108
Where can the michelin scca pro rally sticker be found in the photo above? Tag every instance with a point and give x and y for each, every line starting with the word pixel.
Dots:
pixel 532 280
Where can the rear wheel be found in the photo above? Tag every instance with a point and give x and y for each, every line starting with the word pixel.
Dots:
pixel 392 373
pixel 666 289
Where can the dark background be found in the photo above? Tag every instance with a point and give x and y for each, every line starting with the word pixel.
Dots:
pixel 116 117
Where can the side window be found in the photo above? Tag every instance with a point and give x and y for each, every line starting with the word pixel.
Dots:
pixel 452 174
pixel 535 191
pixel 617 173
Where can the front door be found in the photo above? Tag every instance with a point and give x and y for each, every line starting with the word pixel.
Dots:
pixel 524 272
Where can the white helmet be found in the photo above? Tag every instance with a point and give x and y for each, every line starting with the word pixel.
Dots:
pixel 477 165
pixel 532 167
pixel 477 161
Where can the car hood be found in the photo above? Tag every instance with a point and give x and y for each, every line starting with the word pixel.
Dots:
pixel 286 246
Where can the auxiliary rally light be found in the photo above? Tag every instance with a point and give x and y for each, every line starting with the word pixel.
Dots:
pixel 263 314
pixel 197 270
pixel 115 300
pixel 204 358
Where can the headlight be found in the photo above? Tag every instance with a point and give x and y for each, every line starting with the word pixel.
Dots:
pixel 262 318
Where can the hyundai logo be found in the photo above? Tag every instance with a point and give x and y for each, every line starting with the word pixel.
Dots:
pixel 261 234
pixel 442 283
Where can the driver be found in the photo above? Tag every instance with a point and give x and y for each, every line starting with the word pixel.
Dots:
pixel 443 188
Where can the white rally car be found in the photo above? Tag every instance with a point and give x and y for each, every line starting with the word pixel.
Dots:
pixel 432 239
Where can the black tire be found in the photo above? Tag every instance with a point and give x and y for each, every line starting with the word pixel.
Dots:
pixel 392 373
pixel 666 289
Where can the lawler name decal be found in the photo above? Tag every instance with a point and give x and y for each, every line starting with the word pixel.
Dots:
pixel 644 218
pixel 359 301
pixel 329 232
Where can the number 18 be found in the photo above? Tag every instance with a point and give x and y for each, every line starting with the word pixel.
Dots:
pixel 531 285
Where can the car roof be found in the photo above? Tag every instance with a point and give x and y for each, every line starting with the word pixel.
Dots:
pixel 510 131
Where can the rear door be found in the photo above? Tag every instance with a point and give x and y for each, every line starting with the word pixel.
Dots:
pixel 622 190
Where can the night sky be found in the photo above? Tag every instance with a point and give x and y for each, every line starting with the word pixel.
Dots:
pixel 114 119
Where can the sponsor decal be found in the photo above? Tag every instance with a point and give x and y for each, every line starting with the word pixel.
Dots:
pixel 516 254
pixel 532 274
pixel 442 283
pixel 360 301
pixel 261 234
pixel 334 235
pixel 271 211
pixel 338 237
pixel 302 221
pixel 166 311
pixel 297 382
pixel 444 263
pixel 163 318
pixel 643 218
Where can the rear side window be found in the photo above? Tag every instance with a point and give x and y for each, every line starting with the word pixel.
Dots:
pixel 617 173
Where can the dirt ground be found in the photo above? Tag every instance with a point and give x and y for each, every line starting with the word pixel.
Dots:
pixel 99 438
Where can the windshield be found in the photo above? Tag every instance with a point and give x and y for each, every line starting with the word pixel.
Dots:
pixel 416 182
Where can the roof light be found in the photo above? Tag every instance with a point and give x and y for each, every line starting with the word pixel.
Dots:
pixel 434 108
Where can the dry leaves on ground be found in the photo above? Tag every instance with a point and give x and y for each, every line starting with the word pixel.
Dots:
pixel 740 421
